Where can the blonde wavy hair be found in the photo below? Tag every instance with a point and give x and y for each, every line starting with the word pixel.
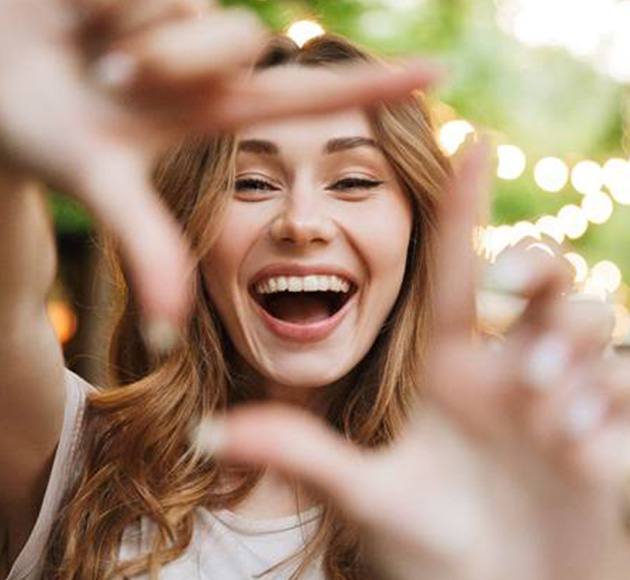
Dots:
pixel 135 459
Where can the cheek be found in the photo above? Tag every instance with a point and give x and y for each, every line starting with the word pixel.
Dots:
pixel 221 264
pixel 382 236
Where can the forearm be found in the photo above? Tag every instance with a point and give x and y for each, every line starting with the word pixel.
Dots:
pixel 27 254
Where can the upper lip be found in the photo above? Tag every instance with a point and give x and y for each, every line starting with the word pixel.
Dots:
pixel 292 269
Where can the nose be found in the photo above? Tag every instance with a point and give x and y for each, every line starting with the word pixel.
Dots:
pixel 301 222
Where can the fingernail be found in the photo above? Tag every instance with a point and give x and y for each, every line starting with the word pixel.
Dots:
pixel 546 362
pixel 510 275
pixel 210 436
pixel 115 70
pixel 585 413
pixel 160 335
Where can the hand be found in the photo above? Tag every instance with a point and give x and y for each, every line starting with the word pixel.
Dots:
pixel 94 90
pixel 510 467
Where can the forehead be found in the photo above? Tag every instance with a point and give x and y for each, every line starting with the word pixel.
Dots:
pixel 310 133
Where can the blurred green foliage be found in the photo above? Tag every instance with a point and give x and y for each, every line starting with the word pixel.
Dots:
pixel 542 100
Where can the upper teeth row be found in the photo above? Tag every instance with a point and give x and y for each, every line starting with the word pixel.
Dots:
pixel 311 283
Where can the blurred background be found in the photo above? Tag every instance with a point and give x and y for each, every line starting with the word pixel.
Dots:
pixel 548 80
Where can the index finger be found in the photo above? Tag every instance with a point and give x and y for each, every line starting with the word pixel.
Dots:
pixel 293 90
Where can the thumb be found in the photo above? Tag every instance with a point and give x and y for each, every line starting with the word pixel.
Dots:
pixel 292 442
pixel 119 192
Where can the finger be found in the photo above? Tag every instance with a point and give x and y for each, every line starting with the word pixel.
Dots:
pixel 614 381
pixel 523 286
pixel 117 188
pixel 115 19
pixel 287 91
pixel 544 347
pixel 291 442
pixel 536 276
pixel 186 51
pixel 455 259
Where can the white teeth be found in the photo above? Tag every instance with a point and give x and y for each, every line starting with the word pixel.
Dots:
pixel 310 283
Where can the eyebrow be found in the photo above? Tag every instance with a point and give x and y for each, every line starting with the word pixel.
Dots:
pixel 262 147
pixel 345 143
pixel 259 147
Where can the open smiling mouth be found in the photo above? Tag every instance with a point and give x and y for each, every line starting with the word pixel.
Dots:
pixel 303 300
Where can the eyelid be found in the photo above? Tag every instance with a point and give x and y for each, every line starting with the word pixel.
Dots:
pixel 255 175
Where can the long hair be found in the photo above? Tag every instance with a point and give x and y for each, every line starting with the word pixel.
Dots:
pixel 135 458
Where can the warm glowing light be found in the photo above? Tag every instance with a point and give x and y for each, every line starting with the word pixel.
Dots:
pixel 622 323
pixel 304 30
pixel 579 265
pixel 607 275
pixel 453 134
pixel 587 177
pixel 550 226
pixel 551 174
pixel 597 207
pixel 512 162
pixel 573 221
pixel 523 230
pixel 594 287
pixel 498 239
pixel 63 320
pixel 617 179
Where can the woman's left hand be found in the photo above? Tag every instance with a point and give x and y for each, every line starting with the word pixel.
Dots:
pixel 513 465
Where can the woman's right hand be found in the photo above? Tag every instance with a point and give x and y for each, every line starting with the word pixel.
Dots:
pixel 514 461
pixel 93 90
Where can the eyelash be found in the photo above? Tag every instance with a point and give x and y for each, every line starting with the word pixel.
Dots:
pixel 346 184
pixel 349 183
pixel 253 184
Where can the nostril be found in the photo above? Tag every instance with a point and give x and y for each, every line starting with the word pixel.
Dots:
pixel 290 229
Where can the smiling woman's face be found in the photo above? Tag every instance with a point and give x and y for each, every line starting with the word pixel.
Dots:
pixel 312 251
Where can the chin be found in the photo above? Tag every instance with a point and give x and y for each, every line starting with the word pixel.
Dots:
pixel 308 370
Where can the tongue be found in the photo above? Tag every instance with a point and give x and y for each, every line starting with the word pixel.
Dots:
pixel 301 308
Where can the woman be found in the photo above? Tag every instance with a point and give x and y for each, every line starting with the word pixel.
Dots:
pixel 249 339
pixel 315 239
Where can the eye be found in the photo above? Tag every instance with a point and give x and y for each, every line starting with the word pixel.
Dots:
pixel 350 183
pixel 253 184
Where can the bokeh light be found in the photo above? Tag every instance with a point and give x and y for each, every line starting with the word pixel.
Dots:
pixel 607 275
pixel 551 174
pixel 512 162
pixel 616 174
pixel 304 30
pixel 579 265
pixel 453 134
pixel 550 226
pixel 597 207
pixel 63 319
pixel 573 221
pixel 587 177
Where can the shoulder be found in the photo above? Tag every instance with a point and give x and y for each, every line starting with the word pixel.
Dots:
pixel 64 467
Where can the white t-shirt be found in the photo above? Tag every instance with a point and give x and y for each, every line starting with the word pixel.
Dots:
pixel 225 546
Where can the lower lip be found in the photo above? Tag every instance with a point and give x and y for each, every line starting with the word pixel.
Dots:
pixel 304 332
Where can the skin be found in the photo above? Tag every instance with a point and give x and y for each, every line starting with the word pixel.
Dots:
pixel 302 212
